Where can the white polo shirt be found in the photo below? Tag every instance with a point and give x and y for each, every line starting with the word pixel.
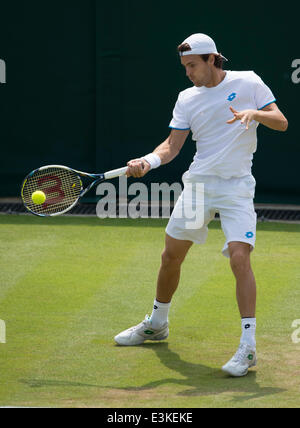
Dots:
pixel 223 149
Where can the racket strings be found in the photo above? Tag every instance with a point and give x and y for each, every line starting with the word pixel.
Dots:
pixel 62 188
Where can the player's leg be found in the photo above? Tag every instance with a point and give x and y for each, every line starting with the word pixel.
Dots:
pixel 172 257
pixel 245 356
pixel 156 326
pixel 239 226
pixel 245 282
pixel 181 232
pixel 238 219
pixel 168 278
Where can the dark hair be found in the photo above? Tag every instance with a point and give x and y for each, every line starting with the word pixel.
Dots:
pixel 185 47
pixel 218 60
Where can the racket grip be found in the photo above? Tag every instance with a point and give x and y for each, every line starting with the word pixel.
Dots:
pixel 115 173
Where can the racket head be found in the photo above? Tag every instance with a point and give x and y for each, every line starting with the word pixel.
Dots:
pixel 61 185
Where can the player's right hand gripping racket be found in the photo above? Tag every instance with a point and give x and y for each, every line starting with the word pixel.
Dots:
pixel 62 186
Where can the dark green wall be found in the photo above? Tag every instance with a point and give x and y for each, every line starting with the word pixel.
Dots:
pixel 48 103
pixel 93 84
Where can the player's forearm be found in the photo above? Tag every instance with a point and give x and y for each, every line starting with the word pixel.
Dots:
pixel 166 151
pixel 272 119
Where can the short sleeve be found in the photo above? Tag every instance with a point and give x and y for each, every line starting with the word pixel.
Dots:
pixel 179 120
pixel 262 93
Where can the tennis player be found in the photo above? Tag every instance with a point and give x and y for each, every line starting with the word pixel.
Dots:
pixel 222 109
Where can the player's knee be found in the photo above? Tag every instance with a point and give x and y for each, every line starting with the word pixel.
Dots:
pixel 239 261
pixel 170 258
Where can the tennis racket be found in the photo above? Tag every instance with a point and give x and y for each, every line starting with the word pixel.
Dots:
pixel 62 186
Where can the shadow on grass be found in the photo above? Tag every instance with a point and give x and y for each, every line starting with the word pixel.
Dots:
pixel 201 380
pixel 39 383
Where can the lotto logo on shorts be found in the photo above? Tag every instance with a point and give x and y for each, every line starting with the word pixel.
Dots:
pixel 249 235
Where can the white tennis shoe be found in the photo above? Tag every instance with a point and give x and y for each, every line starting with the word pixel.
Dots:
pixel 144 331
pixel 239 364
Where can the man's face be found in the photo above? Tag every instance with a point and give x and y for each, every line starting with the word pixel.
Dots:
pixel 197 70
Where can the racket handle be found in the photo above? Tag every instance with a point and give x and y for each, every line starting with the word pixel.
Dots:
pixel 115 173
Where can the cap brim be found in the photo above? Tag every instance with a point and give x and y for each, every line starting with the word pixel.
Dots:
pixel 197 52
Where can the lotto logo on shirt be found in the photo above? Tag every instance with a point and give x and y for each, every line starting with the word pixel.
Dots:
pixel 232 96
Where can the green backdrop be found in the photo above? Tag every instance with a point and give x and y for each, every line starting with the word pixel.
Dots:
pixel 92 84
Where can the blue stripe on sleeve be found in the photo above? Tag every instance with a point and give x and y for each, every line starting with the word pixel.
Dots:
pixel 267 105
pixel 180 129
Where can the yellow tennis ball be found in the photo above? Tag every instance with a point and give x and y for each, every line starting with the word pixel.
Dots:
pixel 38 197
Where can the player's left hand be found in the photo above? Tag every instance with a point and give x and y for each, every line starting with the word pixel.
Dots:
pixel 246 116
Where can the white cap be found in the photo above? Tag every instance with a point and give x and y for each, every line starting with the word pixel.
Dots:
pixel 201 44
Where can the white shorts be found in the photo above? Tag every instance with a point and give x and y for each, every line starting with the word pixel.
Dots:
pixel 232 198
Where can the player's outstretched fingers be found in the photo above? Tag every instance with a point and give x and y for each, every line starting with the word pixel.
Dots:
pixel 235 113
pixel 245 120
pixel 231 120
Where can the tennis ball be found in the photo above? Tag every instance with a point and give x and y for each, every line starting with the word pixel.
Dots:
pixel 38 197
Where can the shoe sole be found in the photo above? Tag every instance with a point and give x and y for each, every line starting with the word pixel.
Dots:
pixel 243 374
pixel 161 338
pixel 140 343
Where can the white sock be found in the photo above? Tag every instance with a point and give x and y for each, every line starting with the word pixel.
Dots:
pixel 159 315
pixel 248 331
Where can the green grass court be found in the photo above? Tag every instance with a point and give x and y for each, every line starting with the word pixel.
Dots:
pixel 69 284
